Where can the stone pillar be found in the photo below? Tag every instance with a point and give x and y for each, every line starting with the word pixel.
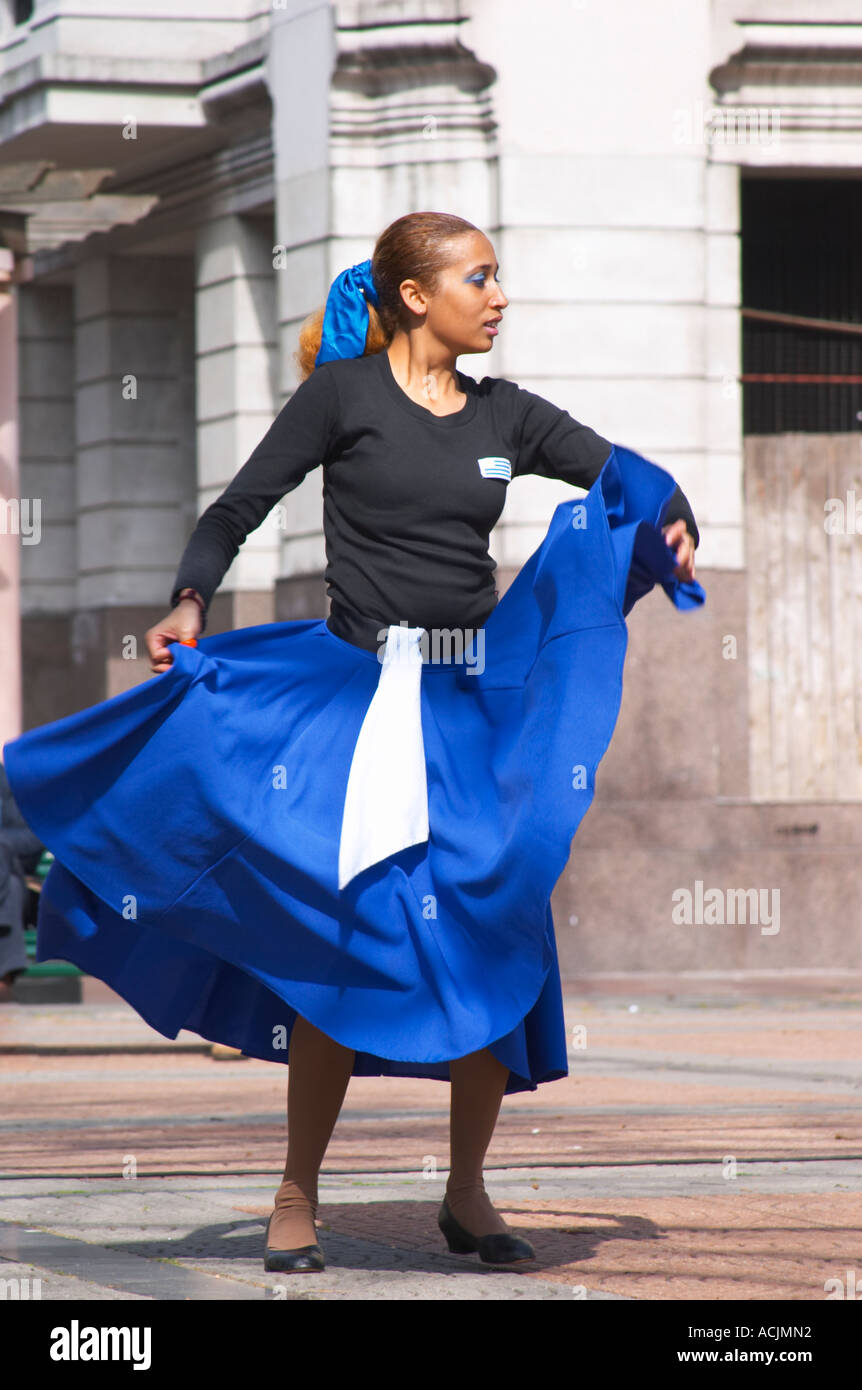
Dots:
pixel 46 407
pixel 362 133
pixel 10 512
pixel 298 73
pixel 135 459
pixel 237 396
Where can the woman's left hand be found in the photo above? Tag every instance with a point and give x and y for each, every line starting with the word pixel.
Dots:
pixel 678 538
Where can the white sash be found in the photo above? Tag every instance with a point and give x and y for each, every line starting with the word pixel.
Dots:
pixel 386 804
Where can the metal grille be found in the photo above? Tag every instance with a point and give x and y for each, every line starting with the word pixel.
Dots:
pixel 801 258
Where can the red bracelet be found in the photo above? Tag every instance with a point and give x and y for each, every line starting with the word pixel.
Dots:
pixel 193 594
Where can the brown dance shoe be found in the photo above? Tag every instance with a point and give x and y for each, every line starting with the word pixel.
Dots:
pixel 301 1260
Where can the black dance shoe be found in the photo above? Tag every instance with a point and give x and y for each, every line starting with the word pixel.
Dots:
pixel 500 1248
pixel 303 1258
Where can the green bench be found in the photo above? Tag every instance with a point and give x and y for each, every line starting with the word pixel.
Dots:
pixel 43 968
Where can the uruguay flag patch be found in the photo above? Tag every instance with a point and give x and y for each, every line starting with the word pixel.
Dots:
pixel 495 468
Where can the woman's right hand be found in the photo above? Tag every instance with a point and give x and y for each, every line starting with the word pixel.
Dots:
pixel 181 625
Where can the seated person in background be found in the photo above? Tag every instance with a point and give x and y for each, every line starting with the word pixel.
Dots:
pixel 20 852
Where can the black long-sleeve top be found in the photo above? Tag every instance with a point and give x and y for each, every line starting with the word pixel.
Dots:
pixel 409 497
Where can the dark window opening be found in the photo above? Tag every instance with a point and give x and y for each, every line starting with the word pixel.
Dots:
pixel 22 10
pixel 801 259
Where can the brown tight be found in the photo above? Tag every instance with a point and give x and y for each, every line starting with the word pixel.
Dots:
pixel 318 1072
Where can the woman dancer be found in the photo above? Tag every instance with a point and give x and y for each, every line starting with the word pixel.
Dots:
pixel 364 835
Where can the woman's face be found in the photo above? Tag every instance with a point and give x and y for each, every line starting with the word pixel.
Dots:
pixel 468 297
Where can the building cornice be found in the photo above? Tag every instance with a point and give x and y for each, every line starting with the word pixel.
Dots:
pixel 791 94
pixel 177 185
pixel 412 92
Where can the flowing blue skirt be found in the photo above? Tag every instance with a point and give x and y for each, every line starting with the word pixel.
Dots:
pixel 195 819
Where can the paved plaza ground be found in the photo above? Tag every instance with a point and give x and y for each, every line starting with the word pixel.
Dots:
pixel 704 1146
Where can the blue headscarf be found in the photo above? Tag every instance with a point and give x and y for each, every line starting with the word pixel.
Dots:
pixel 345 320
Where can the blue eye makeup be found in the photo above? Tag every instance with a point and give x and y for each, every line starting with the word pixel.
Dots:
pixel 479 278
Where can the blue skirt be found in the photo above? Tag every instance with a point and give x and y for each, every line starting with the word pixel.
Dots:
pixel 195 819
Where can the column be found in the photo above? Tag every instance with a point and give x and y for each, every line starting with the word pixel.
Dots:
pixel 135 458
pixel 237 395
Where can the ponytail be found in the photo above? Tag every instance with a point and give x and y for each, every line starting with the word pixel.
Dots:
pixel 414 247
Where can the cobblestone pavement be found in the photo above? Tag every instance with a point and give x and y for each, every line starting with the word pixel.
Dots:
pixel 700 1148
